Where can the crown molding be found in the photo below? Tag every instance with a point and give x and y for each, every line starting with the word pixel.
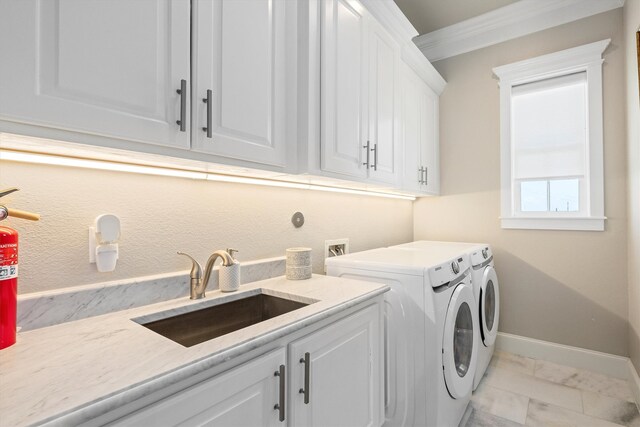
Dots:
pixel 412 56
pixel 389 15
pixel 509 22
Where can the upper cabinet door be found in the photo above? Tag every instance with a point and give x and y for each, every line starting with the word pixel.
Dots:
pixel 383 104
pixel 108 68
pixel 429 145
pixel 413 175
pixel 343 75
pixel 419 115
pixel 239 55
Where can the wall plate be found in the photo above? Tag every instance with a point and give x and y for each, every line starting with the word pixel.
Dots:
pixel 341 246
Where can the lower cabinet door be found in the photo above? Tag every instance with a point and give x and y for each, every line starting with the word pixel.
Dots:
pixel 336 374
pixel 244 396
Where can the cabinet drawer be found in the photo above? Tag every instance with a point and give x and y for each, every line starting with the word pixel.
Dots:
pixel 244 396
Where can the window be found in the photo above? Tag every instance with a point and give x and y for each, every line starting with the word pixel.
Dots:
pixel 551 141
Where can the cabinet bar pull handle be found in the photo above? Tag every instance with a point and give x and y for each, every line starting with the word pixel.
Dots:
pixel 375 157
pixel 421 171
pixel 307 367
pixel 426 176
pixel 366 147
pixel 183 105
pixel 207 101
pixel 280 406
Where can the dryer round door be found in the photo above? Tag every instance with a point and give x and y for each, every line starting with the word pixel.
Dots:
pixel 460 342
pixel 489 306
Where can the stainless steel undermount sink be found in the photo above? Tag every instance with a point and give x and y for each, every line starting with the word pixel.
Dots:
pixel 207 323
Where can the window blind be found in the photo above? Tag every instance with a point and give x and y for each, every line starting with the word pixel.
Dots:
pixel 549 127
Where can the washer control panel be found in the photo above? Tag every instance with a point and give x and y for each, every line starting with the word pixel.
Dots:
pixel 449 271
pixel 481 255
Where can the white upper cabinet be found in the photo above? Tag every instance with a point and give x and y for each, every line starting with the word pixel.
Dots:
pixel 239 67
pixel 359 94
pixel 419 135
pixel 344 89
pixel 303 87
pixel 429 140
pixel 109 68
pixel 384 96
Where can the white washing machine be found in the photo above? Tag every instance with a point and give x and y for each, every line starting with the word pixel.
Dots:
pixel 431 331
pixel 486 290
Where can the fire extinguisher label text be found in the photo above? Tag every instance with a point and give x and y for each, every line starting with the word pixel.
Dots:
pixel 8 272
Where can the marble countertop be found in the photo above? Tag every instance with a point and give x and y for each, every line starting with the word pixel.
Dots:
pixel 75 371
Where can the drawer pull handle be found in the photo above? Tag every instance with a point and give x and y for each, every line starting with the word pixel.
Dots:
pixel 280 406
pixel 375 157
pixel 366 147
pixel 207 101
pixel 183 105
pixel 307 368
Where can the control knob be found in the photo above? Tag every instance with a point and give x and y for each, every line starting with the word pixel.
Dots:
pixel 455 267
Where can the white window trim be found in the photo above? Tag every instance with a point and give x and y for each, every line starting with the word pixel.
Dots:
pixel 587 58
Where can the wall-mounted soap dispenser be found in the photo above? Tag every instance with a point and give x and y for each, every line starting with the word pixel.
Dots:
pixel 103 242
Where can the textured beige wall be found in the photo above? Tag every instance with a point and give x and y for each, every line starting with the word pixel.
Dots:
pixel 631 25
pixel 161 215
pixel 565 287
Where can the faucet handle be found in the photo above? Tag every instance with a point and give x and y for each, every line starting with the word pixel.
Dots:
pixel 231 251
pixel 196 270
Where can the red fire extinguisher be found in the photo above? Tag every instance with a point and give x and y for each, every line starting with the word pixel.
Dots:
pixel 9 272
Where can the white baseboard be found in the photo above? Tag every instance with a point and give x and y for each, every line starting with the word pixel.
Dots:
pixel 634 381
pixel 603 363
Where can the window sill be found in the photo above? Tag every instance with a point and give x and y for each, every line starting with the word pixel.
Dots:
pixel 555 223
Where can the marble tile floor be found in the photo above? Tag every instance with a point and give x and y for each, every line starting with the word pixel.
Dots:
pixel 518 391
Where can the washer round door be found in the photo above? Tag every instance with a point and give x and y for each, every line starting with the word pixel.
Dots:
pixel 489 306
pixel 460 342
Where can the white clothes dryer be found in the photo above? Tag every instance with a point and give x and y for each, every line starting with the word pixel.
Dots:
pixel 431 331
pixel 486 291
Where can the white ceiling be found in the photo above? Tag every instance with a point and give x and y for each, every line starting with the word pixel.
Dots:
pixel 431 15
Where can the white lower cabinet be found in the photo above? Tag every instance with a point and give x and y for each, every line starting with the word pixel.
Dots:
pixel 331 376
pixel 244 396
pixel 335 374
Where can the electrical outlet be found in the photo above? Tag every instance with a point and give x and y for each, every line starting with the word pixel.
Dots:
pixel 335 247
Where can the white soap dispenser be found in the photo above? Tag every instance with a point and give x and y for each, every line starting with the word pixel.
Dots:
pixel 229 277
pixel 103 242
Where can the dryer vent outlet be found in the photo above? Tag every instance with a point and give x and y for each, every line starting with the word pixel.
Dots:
pixel 335 247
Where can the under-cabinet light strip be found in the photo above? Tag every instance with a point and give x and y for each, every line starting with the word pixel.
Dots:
pixel 46 159
pixel 57 160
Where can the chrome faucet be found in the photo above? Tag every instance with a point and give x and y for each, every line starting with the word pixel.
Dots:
pixel 198 283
